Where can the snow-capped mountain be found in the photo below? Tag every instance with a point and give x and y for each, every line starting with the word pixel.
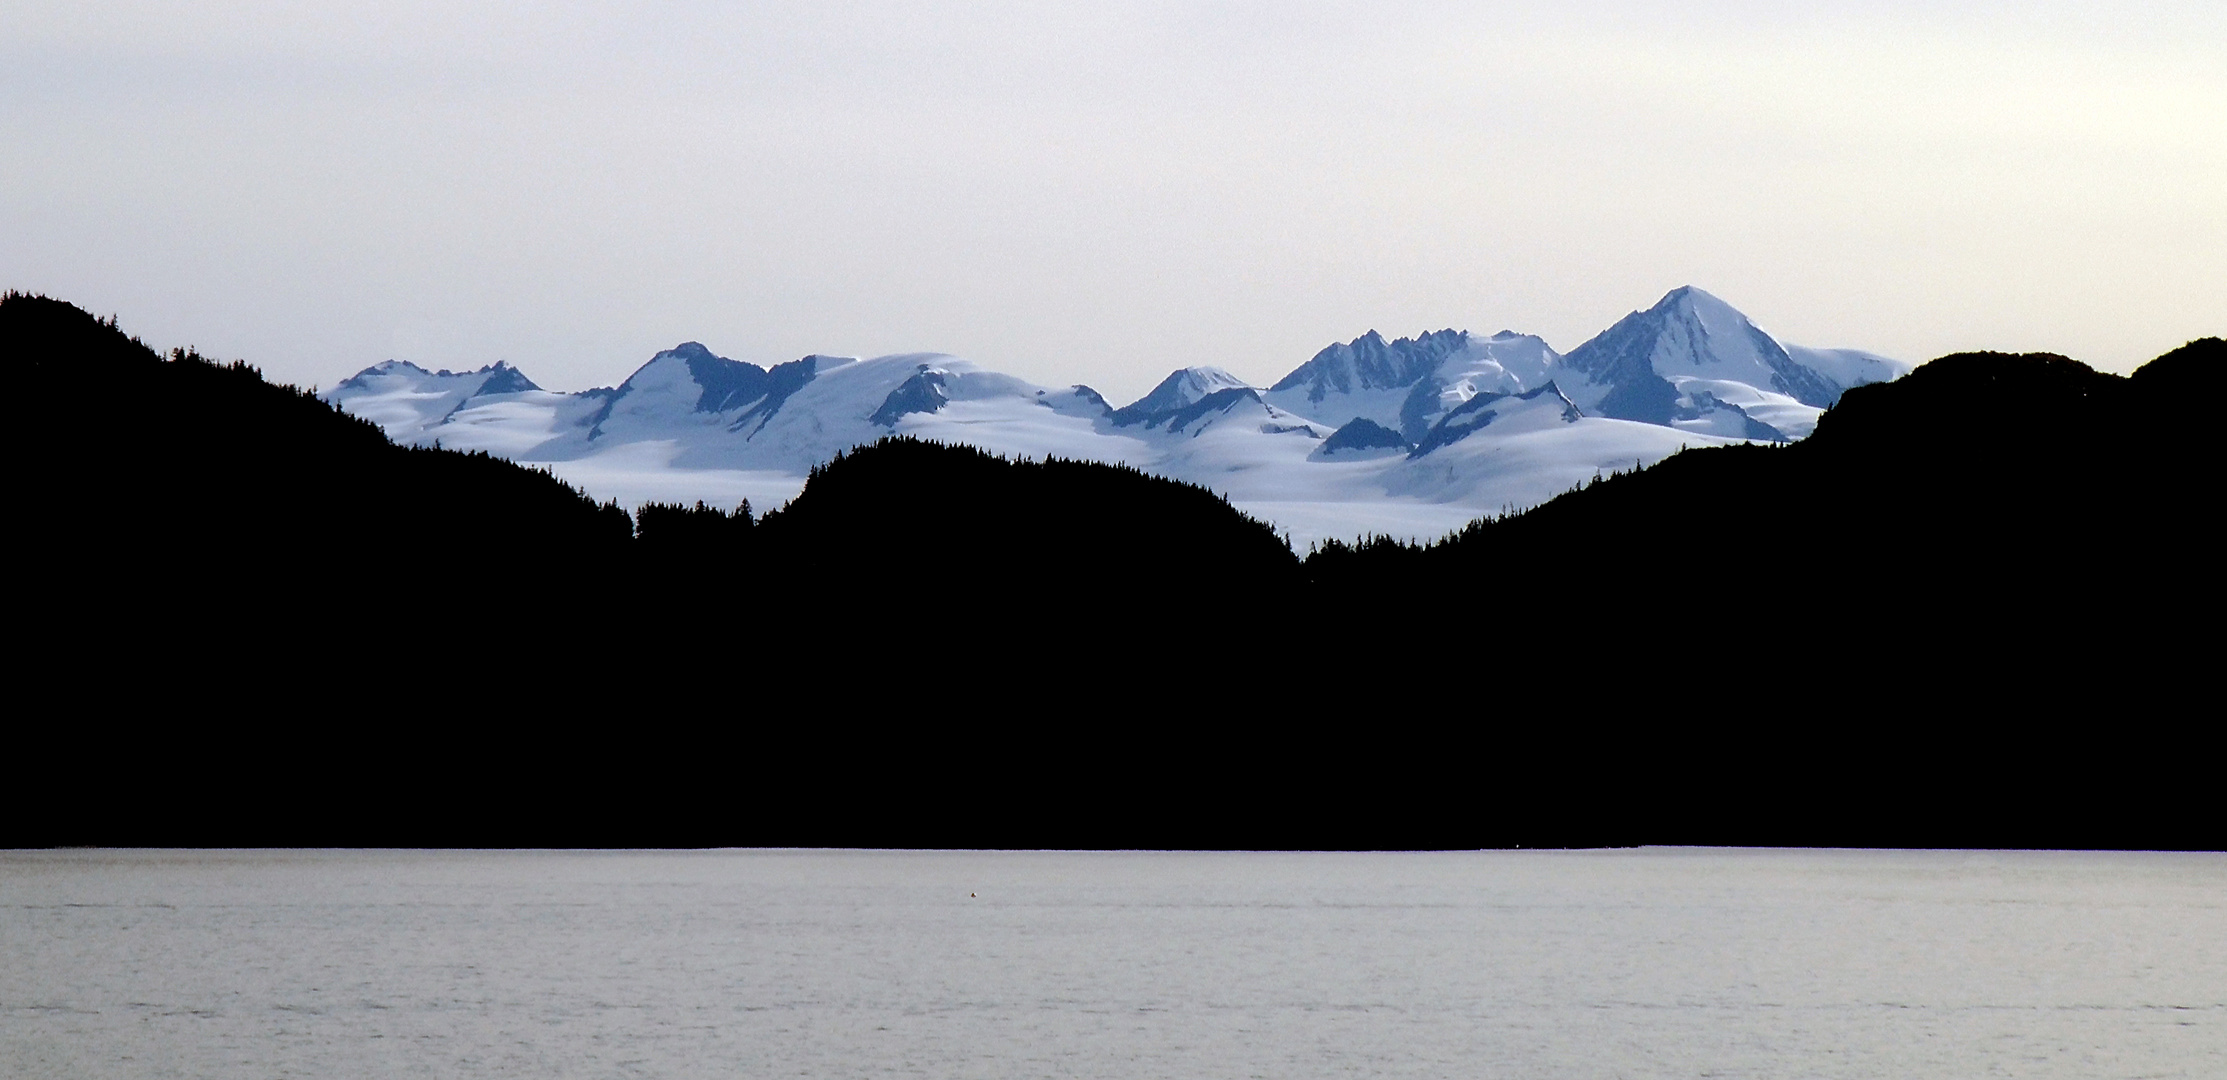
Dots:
pixel 1694 363
pixel 1409 384
pixel 408 401
pixel 1182 388
pixel 1411 437
pixel 1194 400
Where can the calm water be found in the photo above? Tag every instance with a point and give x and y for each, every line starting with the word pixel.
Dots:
pixel 1654 963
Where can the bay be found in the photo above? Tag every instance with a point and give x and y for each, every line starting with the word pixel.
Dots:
pixel 1586 964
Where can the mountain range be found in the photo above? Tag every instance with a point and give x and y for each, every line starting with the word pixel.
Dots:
pixel 1410 437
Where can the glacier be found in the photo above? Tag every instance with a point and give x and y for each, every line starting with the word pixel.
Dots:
pixel 1411 437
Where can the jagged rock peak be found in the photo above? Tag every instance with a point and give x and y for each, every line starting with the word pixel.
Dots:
pixel 1369 362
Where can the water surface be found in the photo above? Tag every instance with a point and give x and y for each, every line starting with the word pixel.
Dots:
pixel 1624 964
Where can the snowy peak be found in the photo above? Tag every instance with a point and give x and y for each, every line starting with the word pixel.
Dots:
pixel 1629 371
pixel 1184 396
pixel 690 379
pixel 720 383
pixel 406 400
pixel 1183 388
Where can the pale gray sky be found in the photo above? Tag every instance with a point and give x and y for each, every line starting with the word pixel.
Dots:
pixel 1100 193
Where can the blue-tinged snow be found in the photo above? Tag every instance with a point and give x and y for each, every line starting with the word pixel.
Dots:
pixel 1530 463
pixel 496 408
pixel 1848 368
pixel 1456 425
pixel 1500 414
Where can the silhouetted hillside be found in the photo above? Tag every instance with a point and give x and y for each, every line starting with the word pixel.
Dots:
pixel 1980 487
pixel 1972 609
pixel 293 632
pixel 219 469
pixel 955 524
pixel 911 525
pixel 237 609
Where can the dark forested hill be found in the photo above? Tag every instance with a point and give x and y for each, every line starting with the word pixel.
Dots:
pixel 244 617
pixel 291 631
pixel 2029 495
pixel 177 470
pixel 1883 634
pixel 931 533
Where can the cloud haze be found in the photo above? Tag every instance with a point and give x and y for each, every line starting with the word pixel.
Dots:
pixel 1100 195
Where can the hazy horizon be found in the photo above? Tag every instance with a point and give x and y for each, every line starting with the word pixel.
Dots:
pixel 1100 196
